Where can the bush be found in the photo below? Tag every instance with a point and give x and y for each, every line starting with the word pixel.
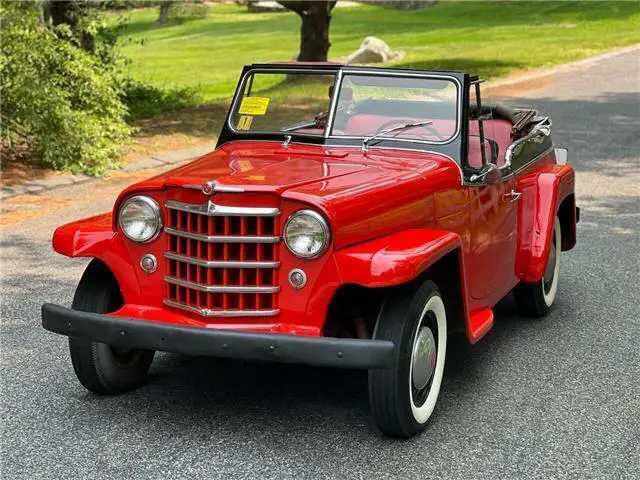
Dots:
pixel 64 101
pixel 144 100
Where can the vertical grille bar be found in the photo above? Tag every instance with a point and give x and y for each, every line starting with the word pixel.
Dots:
pixel 222 261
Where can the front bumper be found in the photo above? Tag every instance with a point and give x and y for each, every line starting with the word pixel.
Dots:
pixel 274 347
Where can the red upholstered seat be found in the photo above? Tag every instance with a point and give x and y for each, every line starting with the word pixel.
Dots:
pixel 364 124
pixel 498 130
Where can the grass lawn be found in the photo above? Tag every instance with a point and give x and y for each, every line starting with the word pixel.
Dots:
pixel 491 39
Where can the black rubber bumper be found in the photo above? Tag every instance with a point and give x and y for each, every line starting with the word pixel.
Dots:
pixel 274 347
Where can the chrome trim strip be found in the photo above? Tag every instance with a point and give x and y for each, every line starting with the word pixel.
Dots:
pixel 206 312
pixel 535 132
pixel 220 288
pixel 221 238
pixel 333 105
pixel 220 263
pixel 212 210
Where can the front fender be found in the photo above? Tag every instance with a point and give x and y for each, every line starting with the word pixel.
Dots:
pixel 394 259
pixel 542 194
pixel 94 237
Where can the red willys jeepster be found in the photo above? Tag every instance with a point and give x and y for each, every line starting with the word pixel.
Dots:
pixel 349 217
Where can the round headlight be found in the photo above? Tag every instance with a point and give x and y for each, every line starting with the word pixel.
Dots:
pixel 140 219
pixel 306 234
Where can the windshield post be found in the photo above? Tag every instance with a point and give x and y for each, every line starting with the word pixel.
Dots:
pixel 483 153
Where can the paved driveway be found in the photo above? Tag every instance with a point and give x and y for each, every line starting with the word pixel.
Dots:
pixel 555 398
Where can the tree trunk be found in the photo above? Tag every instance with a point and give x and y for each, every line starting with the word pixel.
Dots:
pixel 68 12
pixel 164 13
pixel 62 12
pixel 314 30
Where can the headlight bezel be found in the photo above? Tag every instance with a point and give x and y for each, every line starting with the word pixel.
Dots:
pixel 326 230
pixel 155 207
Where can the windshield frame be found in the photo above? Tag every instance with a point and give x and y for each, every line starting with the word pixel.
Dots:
pixel 454 147
pixel 333 101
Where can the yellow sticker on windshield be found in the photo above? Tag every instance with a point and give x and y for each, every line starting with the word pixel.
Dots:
pixel 245 122
pixel 254 106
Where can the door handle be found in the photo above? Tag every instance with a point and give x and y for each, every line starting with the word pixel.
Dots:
pixel 513 196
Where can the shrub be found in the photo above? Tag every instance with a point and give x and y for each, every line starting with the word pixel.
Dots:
pixel 144 100
pixel 64 101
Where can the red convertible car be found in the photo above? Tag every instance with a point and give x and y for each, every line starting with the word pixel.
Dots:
pixel 349 217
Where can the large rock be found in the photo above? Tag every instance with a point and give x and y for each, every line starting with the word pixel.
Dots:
pixel 373 50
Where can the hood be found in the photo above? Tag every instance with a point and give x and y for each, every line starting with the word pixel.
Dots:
pixel 358 191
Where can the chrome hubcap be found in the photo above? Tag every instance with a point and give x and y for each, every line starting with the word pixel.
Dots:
pixel 424 358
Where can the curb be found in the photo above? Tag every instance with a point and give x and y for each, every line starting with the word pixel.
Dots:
pixel 154 161
pixel 177 156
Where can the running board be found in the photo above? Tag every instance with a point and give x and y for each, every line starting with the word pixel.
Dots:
pixel 479 324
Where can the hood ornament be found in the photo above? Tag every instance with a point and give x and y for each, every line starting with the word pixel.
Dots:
pixel 211 187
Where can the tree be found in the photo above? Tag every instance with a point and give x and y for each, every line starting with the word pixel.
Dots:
pixel 69 12
pixel 314 30
pixel 164 12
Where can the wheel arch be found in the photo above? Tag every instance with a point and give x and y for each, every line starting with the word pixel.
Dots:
pixel 95 238
pixel 567 217
pixel 363 297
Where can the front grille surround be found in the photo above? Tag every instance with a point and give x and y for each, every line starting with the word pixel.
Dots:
pixel 222 261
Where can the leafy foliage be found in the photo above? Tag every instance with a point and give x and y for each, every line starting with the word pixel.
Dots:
pixel 144 100
pixel 62 101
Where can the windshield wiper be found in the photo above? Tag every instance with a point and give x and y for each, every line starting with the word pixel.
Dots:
pixel 367 140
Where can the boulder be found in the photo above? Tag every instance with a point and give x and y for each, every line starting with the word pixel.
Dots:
pixel 373 50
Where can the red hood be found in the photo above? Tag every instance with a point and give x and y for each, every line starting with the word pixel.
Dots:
pixel 332 179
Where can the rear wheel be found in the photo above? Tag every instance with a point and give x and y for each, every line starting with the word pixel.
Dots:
pixel 535 299
pixel 102 368
pixel 403 396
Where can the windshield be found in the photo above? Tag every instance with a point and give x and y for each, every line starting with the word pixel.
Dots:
pixel 296 102
pixel 376 105
pixel 367 105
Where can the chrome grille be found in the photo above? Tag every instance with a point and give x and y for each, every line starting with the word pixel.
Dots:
pixel 222 261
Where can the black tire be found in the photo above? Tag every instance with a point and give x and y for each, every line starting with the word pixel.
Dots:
pixel 399 408
pixel 101 368
pixel 535 299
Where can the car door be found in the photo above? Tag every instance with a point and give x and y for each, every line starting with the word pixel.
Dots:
pixel 493 229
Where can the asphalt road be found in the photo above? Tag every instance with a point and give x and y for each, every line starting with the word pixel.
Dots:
pixel 556 398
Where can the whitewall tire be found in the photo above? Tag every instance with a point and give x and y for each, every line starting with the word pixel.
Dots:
pixel 404 395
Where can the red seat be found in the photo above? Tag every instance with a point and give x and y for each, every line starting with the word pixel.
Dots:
pixel 497 130
pixel 364 124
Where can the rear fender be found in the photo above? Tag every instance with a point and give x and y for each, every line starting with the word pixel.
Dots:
pixel 543 192
pixel 94 237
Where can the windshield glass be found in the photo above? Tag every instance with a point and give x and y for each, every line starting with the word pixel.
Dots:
pixel 295 102
pixel 376 105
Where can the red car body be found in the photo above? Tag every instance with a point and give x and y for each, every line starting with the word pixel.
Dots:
pixel 477 223
pixel 393 214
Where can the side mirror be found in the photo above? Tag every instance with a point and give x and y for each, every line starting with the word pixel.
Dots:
pixel 489 175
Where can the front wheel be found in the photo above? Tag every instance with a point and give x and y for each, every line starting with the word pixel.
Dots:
pixel 403 396
pixel 101 368
pixel 535 299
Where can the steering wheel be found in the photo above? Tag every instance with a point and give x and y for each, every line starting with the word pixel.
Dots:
pixel 403 121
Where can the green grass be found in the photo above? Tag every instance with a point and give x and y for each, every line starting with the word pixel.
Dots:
pixel 491 39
